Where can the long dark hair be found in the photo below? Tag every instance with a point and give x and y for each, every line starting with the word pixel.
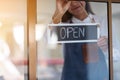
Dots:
pixel 67 16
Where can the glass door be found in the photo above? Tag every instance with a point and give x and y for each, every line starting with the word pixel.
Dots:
pixel 61 52
pixel 116 40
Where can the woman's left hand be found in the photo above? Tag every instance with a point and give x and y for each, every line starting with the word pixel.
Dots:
pixel 103 43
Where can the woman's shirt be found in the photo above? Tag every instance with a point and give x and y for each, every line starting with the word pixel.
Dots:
pixel 74 66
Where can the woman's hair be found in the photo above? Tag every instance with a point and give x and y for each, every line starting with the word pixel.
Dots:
pixel 67 16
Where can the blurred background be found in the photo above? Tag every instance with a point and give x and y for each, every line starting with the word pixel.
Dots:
pixel 13 52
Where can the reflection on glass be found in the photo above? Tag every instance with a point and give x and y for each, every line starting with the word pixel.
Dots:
pixel 116 40
pixel 19 30
pixel 71 61
pixel 40 30
pixel 13 64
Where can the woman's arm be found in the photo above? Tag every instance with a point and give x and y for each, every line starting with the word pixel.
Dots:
pixel 61 7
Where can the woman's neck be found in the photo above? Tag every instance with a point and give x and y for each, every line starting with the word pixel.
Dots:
pixel 81 16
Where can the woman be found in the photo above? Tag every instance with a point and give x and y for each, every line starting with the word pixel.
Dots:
pixel 76 67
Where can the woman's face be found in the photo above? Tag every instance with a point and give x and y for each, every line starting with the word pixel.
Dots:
pixel 76 7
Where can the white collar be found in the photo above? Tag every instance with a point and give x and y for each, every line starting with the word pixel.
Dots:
pixel 86 20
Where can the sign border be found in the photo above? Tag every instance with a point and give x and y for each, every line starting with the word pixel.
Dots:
pixel 76 41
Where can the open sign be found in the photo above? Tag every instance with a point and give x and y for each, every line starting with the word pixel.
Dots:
pixel 66 33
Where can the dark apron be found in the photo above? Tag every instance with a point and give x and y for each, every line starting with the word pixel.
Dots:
pixel 75 67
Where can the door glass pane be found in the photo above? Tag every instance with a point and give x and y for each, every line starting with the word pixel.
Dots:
pixel 13 59
pixel 68 51
pixel 116 40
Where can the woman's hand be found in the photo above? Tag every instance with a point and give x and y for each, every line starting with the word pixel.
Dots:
pixel 103 43
pixel 61 7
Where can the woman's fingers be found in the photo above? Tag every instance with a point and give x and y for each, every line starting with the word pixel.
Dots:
pixel 67 5
pixel 83 9
pixel 102 40
pixel 103 43
pixel 63 5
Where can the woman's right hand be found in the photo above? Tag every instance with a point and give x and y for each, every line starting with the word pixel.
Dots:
pixel 103 43
pixel 61 7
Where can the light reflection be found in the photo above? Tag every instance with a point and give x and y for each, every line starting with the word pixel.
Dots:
pixel 0 24
pixel 40 30
pixel 18 32
pixel 7 68
pixel 53 41
pixel 4 50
